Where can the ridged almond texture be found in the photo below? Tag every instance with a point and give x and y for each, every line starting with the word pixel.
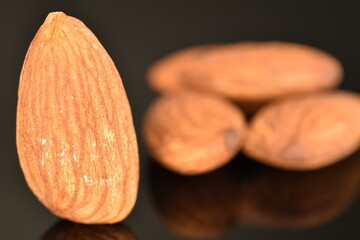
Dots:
pixel 65 230
pixel 192 133
pixel 306 132
pixel 250 73
pixel 75 136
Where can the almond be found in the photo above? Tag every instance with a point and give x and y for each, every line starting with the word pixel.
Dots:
pixel 250 73
pixel 306 132
pixel 193 133
pixel 166 75
pixel 75 136
pixel 73 231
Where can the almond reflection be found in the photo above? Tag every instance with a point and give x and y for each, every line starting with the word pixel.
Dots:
pixel 198 207
pixel 298 200
pixel 65 230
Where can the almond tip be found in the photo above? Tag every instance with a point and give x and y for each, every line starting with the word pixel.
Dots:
pixel 53 16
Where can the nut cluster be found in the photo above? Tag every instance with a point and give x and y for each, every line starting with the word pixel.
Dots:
pixel 76 140
pixel 298 122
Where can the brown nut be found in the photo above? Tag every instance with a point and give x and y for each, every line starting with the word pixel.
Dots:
pixel 196 207
pixel 251 73
pixel 75 136
pixel 306 132
pixel 166 74
pixel 64 230
pixel 274 198
pixel 193 133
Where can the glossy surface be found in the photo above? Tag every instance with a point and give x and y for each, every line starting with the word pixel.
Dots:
pixel 64 230
pixel 136 34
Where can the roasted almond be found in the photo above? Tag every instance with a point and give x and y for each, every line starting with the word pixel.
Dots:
pixel 306 132
pixel 75 136
pixel 193 133
pixel 250 73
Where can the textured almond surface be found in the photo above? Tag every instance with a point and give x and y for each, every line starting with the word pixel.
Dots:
pixel 73 231
pixel 75 137
pixel 270 197
pixel 193 133
pixel 250 73
pixel 307 132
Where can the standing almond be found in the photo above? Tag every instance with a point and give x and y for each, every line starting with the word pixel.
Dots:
pixel 75 136
pixel 306 132
pixel 192 133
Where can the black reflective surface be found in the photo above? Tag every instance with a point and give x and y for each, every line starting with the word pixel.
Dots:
pixel 243 200
pixel 64 230
pixel 247 194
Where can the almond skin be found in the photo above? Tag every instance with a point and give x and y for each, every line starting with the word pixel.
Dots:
pixel 250 73
pixel 75 136
pixel 306 132
pixel 192 133
pixel 166 75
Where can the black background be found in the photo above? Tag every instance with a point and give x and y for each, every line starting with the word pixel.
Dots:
pixel 136 33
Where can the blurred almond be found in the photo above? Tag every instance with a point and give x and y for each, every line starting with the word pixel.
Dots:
pixel 250 73
pixel 75 136
pixel 166 75
pixel 192 133
pixel 306 132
